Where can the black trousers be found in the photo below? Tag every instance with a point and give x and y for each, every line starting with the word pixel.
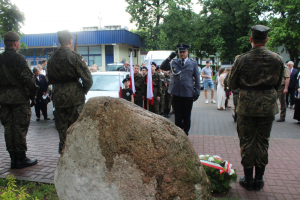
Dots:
pixel 291 93
pixel 40 106
pixel 183 109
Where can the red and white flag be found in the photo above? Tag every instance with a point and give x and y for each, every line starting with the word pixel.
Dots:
pixel 120 86
pixel 150 96
pixel 132 86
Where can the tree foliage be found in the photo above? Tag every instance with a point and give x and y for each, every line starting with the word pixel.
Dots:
pixel 150 14
pixel 284 18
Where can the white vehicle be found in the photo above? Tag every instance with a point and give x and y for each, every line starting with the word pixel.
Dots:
pixel 106 84
pixel 157 56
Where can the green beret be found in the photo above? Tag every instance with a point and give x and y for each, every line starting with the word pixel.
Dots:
pixel 11 36
pixel 287 61
pixel 260 32
pixel 64 35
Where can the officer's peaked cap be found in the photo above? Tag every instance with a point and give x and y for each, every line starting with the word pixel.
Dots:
pixel 11 36
pixel 259 32
pixel 182 47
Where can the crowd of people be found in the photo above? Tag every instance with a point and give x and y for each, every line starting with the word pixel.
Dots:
pixel 161 83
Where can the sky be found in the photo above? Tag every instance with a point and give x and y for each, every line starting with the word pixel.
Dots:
pixel 49 16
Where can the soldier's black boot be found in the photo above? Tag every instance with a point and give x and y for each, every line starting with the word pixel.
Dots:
pixel 23 161
pixel 258 181
pixel 247 180
pixel 13 159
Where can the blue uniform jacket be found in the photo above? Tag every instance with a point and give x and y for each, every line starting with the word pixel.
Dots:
pixel 183 84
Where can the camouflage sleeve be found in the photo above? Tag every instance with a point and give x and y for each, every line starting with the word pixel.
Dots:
pixel 278 84
pixel 159 87
pixel 27 78
pixel 233 79
pixel 84 73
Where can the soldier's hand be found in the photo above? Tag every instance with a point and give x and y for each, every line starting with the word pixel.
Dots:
pixel 157 98
pixel 195 97
pixel 285 91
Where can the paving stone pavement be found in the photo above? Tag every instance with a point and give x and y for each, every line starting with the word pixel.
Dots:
pixel 212 132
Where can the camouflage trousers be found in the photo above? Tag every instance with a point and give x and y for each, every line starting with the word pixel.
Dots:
pixel 254 134
pixel 168 102
pixel 64 118
pixel 155 107
pixel 16 119
pixel 235 99
pixel 162 103
pixel 282 101
pixel 138 102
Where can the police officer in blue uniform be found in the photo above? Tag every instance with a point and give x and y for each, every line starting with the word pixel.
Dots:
pixel 186 85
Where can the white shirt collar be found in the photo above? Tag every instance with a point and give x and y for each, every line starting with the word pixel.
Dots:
pixel 185 60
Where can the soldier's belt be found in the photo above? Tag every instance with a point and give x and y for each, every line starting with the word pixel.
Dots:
pixel 66 81
pixel 256 88
pixel 8 86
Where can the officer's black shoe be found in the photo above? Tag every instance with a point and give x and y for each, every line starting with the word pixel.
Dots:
pixel 280 120
pixel 234 116
pixel 13 159
pixel 23 161
pixel 247 180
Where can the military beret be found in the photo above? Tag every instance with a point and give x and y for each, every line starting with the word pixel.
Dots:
pixel 182 47
pixel 126 79
pixel 157 67
pixel 11 36
pixel 208 61
pixel 259 32
pixel 65 34
pixel 145 68
pixel 153 63
pixel 287 61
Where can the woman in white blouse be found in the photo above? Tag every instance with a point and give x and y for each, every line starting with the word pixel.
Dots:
pixel 220 90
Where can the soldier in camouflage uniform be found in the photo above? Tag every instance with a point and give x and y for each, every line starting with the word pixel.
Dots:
pixel 15 109
pixel 164 90
pixel 258 73
pixel 65 67
pixel 139 81
pixel 157 89
pixel 168 98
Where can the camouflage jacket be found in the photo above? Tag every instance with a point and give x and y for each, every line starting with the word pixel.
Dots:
pixel 16 64
pixel 139 81
pixel 157 86
pixel 163 83
pixel 65 68
pixel 168 79
pixel 259 67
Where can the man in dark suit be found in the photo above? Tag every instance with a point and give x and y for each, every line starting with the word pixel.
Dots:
pixel 125 67
pixel 41 105
pixel 185 73
pixel 292 86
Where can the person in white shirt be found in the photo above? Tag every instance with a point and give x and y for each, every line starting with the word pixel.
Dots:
pixel 43 72
pixel 220 90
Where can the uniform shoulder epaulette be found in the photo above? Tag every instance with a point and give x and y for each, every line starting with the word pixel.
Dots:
pixel 77 54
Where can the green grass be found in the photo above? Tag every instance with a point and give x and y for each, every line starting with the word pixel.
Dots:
pixel 35 190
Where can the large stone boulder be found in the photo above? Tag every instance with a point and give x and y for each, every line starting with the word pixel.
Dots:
pixel 117 150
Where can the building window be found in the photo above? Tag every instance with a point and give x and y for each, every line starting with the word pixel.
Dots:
pixel 129 51
pixel 29 52
pixel 95 50
pixel 95 60
pixel 134 53
pixel 40 52
pixel 82 50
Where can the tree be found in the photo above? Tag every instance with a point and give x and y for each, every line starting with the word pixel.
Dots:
pixel 11 18
pixel 149 15
pixel 226 26
pixel 285 26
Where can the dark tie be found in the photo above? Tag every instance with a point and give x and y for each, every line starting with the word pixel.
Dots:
pixel 182 62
